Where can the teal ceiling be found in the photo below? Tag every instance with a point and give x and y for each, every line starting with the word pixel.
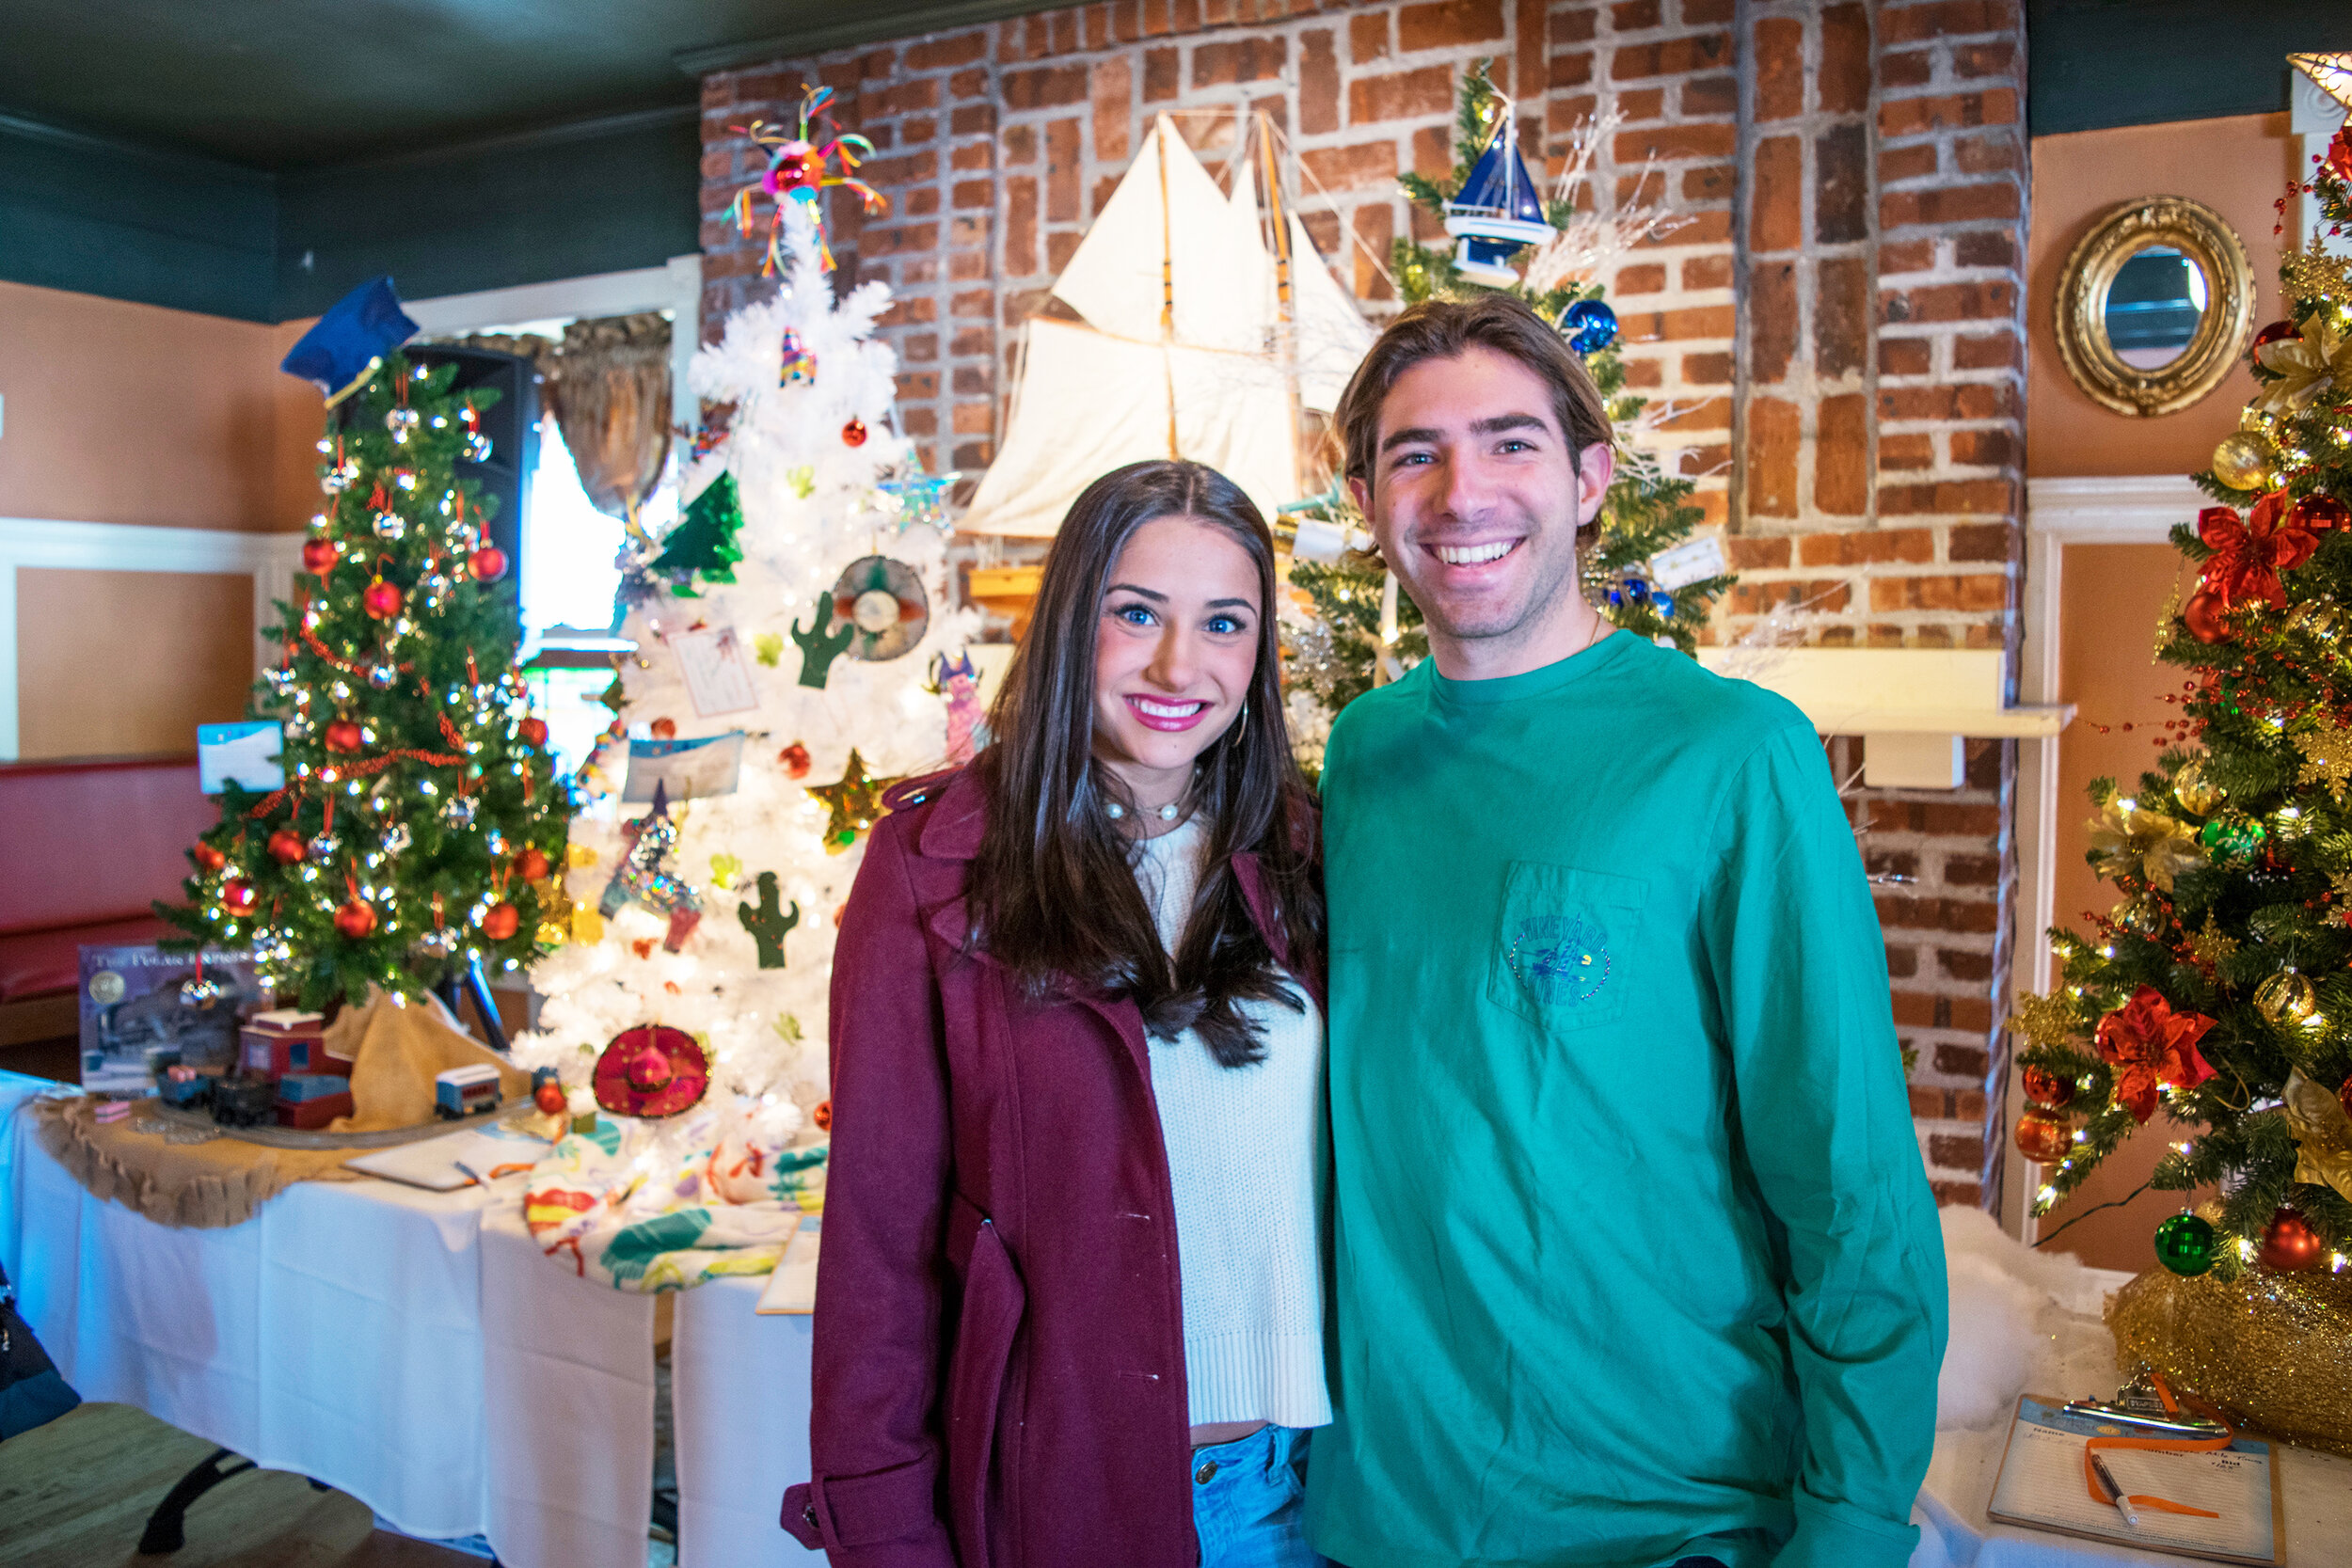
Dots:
pixel 283 84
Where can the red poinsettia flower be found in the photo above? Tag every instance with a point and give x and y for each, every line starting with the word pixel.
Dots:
pixel 2339 161
pixel 2150 1045
pixel 2248 557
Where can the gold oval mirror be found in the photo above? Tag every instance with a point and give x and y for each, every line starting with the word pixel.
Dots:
pixel 2154 304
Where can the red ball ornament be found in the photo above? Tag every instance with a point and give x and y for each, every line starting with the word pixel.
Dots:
pixel 823 1116
pixel 531 865
pixel 2044 1136
pixel 206 856
pixel 853 434
pixel 2321 513
pixel 2206 616
pixel 795 760
pixel 550 1098
pixel 381 600
pixel 797 165
pixel 285 847
pixel 501 922
pixel 2276 332
pixel 342 735
pixel 2289 1243
pixel 533 730
pixel 487 564
pixel 2048 1089
pixel 236 897
pixel 356 919
pixel 664 728
pixel 319 555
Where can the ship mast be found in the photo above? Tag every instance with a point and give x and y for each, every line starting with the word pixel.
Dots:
pixel 1285 309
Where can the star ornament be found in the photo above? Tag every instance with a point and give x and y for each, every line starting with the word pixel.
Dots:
pixel 2330 72
pixel 2317 364
pixel 2144 844
pixel 853 805
pixel 2151 1047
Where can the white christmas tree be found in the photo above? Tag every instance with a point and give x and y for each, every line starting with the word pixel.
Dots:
pixel 831 649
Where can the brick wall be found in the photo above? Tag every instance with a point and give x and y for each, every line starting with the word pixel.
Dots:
pixel 1835 326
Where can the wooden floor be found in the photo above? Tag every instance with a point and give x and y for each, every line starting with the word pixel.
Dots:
pixel 76 1493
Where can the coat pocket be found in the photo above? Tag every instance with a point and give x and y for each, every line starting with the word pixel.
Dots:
pixel 1565 947
pixel 987 1321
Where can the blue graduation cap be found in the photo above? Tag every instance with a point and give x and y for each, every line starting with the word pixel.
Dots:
pixel 1497 210
pixel 347 343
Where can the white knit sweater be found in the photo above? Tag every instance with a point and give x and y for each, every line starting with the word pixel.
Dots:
pixel 1245 1152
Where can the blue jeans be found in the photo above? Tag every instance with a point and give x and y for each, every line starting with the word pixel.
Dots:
pixel 1246 1502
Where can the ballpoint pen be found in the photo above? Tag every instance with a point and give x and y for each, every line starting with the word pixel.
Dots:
pixel 2115 1493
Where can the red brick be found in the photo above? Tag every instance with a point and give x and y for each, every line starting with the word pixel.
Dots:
pixel 1375 228
pixel 971 155
pixel 1711 96
pixel 1978 496
pixel 1060 245
pixel 1697 415
pixel 1706 272
pixel 1905 451
pixel 1020 226
pixel 1065 31
pixel 1700 14
pixel 1668 142
pixel 1901 256
pixel 1911 68
pixel 1405 95
pixel 1983 592
pixel 1577 23
pixel 1914 1010
pixel 1993 152
pixel 1641 280
pixel 1700 320
pixel 1915 162
pixel 1972 60
pixel 1112 85
pixel 1676 56
pixel 1641 104
pixel 1965 400
pixel 1758 553
pixel 1985 542
pixel 1772 320
pixel 1872 546
pixel 1841 314
pixel 1706 370
pixel 1631 16
pixel 1064 163
pixel 1841 456
pixel 1044 87
pixel 1570 71
pixel 1902 23
pixel 1984 449
pixel 1990 300
pixel 1338 168
pixel 1710 182
pixel 1433 154
pixel 1318 82
pixel 1780 74
pixel 1163 75
pixel 1773 437
pixel 1368 37
pixel 973 119
pixel 1948 204
pixel 1447 23
pixel 1243 59
pixel 938 53
pixel 1997 351
pixel 1776 200
pixel 1912 117
pixel 1972 870
pixel 1841 184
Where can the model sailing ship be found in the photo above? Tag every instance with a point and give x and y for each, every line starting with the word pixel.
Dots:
pixel 1208 324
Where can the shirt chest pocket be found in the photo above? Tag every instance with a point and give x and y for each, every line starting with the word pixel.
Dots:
pixel 1563 950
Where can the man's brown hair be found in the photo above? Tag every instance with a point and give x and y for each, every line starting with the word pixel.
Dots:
pixel 1443 329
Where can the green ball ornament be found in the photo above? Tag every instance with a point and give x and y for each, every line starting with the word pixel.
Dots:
pixel 2184 1245
pixel 2231 837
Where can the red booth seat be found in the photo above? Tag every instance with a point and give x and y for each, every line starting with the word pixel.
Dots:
pixel 91 844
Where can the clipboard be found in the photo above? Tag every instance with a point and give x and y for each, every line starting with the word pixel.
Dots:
pixel 2039 1487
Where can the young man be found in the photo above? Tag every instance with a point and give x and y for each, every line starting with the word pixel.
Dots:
pixel 1637 1264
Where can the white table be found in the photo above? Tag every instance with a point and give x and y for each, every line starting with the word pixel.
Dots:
pixel 415 1349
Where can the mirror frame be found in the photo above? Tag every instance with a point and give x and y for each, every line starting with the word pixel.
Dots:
pixel 2197 232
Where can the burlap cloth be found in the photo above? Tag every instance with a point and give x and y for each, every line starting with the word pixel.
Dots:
pixel 395 1048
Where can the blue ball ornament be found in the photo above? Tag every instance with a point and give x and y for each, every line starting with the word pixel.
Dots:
pixel 1589 325
pixel 1637 591
pixel 1663 604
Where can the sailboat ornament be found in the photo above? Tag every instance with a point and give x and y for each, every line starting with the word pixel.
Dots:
pixel 1497 212
pixel 1195 340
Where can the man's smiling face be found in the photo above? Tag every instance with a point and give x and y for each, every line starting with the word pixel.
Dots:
pixel 1475 498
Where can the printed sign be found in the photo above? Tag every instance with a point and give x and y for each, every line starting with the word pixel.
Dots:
pixel 691 769
pixel 718 677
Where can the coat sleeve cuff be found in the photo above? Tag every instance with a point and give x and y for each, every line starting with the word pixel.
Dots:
pixel 1838 1535
pixel 885 1519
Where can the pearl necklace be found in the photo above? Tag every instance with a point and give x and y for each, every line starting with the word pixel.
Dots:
pixel 1114 810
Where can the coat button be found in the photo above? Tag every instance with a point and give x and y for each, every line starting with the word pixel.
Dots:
pixel 1206 1474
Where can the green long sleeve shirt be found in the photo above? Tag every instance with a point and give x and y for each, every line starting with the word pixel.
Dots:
pixel 1635 1257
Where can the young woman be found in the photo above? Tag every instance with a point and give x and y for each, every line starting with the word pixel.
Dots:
pixel 1070 1308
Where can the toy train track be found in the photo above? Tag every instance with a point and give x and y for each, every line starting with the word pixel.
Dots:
pixel 291 1137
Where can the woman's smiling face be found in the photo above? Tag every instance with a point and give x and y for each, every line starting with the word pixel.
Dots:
pixel 1175 649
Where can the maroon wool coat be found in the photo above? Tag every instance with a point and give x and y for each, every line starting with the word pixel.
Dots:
pixel 999 1376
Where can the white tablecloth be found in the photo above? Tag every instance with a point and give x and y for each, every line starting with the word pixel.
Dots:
pixel 415 1349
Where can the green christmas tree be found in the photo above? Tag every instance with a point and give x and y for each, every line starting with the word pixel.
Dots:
pixel 703 546
pixel 420 804
pixel 2216 991
pixel 1647 511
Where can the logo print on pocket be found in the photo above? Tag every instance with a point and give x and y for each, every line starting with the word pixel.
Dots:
pixel 1563 959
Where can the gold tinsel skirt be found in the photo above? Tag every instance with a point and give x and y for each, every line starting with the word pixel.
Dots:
pixel 2273 1350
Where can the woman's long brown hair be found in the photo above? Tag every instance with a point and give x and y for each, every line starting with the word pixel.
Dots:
pixel 1053 889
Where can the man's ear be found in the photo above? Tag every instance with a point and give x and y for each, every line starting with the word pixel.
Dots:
pixel 1596 465
pixel 1361 493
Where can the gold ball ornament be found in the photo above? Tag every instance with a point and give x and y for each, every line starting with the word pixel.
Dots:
pixel 2245 461
pixel 2313 617
pixel 2044 1135
pixel 2196 794
pixel 2286 999
pixel 2274 1350
pixel 2141 917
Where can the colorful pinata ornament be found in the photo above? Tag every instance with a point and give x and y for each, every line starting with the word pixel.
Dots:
pixel 800 170
pixel 651 1071
pixel 1498 210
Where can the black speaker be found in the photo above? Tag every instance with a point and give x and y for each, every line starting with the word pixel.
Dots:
pixel 512 423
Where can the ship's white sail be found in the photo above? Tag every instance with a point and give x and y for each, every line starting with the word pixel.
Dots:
pixel 1182 351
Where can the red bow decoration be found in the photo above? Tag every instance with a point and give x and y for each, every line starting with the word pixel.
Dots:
pixel 2339 161
pixel 2150 1044
pixel 2246 562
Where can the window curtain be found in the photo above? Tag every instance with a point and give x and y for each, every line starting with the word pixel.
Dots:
pixel 607 385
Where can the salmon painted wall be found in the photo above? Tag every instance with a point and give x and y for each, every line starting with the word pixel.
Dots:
pixel 2237 167
pixel 132 414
